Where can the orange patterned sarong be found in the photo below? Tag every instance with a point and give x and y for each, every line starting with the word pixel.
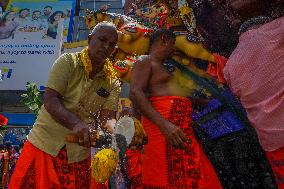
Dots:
pixel 276 159
pixel 36 169
pixel 165 167
pixel 134 169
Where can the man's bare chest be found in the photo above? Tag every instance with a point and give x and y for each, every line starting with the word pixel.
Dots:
pixel 161 74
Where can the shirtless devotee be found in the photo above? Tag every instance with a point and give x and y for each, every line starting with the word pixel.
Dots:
pixel 82 91
pixel 172 158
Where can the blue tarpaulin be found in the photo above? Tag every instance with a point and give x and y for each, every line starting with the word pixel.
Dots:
pixel 20 119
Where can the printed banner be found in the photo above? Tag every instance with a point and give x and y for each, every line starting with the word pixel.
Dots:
pixel 36 19
pixel 31 36
pixel 3 6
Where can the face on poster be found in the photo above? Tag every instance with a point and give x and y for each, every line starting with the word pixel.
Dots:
pixel 35 20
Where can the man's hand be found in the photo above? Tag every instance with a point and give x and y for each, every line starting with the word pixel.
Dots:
pixel 174 135
pixel 84 137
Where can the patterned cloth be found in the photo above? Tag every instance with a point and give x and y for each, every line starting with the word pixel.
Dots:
pixel 277 163
pixel 165 167
pixel 255 73
pixel 36 169
pixel 134 168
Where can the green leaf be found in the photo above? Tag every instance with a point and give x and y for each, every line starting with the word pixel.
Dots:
pixel 33 107
pixel 24 95
pixel 32 98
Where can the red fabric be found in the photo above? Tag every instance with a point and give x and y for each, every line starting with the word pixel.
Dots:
pixel 165 167
pixel 95 185
pixel 216 69
pixel 134 168
pixel 3 120
pixel 36 169
pixel 276 159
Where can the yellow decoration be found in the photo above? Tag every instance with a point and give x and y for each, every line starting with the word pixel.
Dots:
pixel 86 60
pixel 120 55
pixel 123 69
pixel 104 164
pixel 133 39
pixel 175 21
pixel 124 103
pixel 65 32
pixel 139 133
pixel 108 68
pixel 184 10
pixel 194 50
pixel 89 19
pixel 182 84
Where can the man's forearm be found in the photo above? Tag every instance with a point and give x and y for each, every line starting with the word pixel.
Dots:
pixel 141 101
pixel 60 114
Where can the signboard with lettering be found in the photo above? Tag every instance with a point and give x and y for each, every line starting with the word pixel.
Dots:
pixel 31 37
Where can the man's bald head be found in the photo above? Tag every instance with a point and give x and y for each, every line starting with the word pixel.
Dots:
pixel 104 25
pixel 102 41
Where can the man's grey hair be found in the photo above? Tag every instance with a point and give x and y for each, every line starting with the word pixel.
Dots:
pixel 101 25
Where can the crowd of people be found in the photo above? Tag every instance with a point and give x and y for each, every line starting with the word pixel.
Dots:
pixel 9 155
pixel 43 21
pixel 82 92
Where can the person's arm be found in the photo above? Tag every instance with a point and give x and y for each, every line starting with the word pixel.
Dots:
pixel 53 105
pixel 55 89
pixel 141 75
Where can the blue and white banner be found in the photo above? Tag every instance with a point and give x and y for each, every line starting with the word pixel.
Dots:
pixel 31 36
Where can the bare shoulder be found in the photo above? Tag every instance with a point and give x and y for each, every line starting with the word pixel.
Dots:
pixel 141 70
pixel 143 61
